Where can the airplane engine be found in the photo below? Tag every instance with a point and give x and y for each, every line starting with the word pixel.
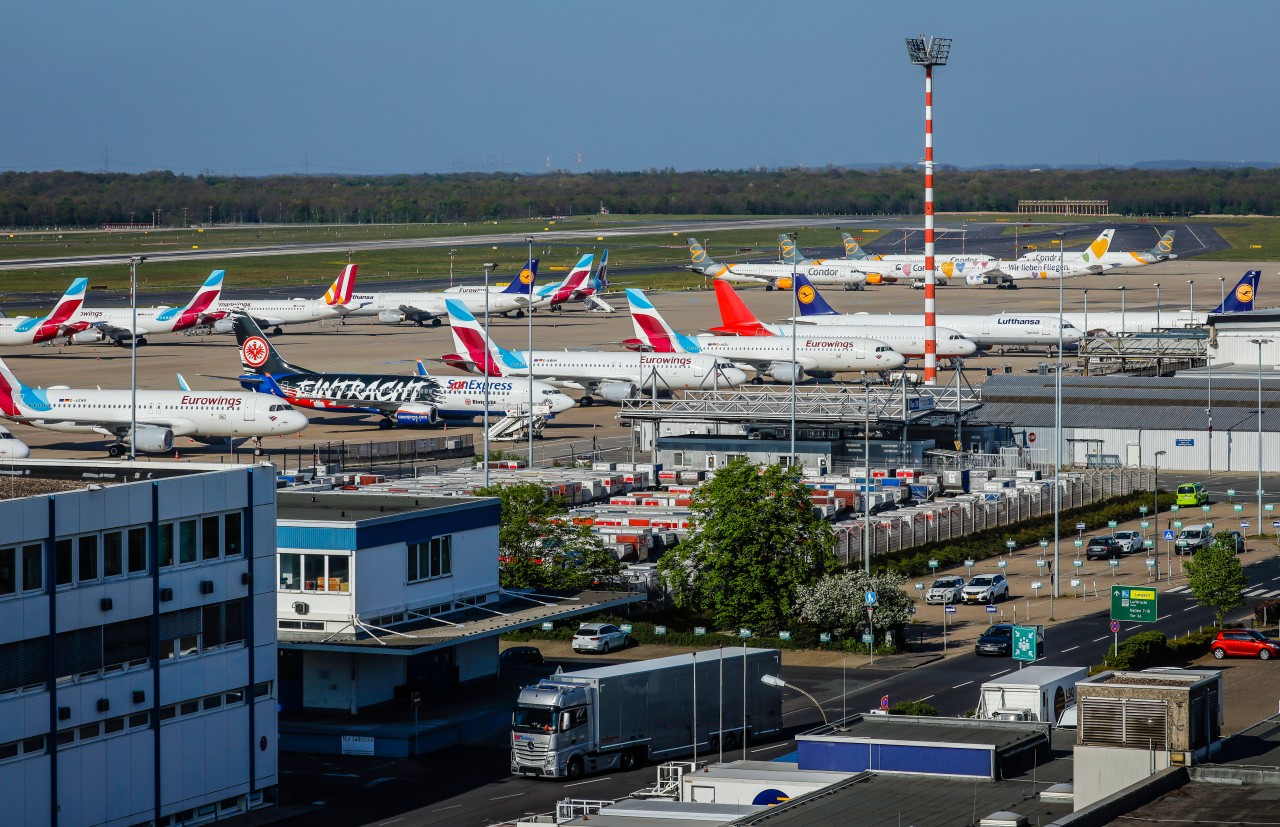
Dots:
pixel 784 283
pixel 152 439
pixel 784 371
pixel 975 279
pixel 416 414
pixel 87 337
pixel 875 278
pixel 224 325
pixel 390 317
pixel 616 392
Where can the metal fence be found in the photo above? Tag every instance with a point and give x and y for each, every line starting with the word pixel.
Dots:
pixel 390 457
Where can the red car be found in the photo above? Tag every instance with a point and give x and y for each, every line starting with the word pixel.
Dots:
pixel 1244 643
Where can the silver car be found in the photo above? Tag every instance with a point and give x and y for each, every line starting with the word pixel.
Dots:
pixel 598 637
pixel 945 590
pixel 1130 541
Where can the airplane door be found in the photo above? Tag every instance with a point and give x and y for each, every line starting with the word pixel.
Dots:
pixel 250 407
pixel 315 309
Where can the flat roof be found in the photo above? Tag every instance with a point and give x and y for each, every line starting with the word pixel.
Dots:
pixel 784 772
pixel 356 506
pixel 1037 675
pixel 1257 746
pixel 1000 735
pixel 40 477
pixel 688 658
pixel 1214 795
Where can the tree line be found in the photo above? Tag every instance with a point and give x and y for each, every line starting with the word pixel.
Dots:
pixel 85 199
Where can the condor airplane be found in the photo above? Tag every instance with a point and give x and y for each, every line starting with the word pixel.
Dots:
pixel 1053 265
pixel 116 324
pixel 429 308
pixel 966 267
pixel 59 324
pixel 399 400
pixel 820 356
pixel 161 415
pixel 771 275
pixel 736 319
pixel 1163 251
pixel 337 302
pixel 1239 300
pixel 1011 329
pixel 612 376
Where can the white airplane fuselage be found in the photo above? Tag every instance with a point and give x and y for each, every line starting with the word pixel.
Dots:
pixel 984 331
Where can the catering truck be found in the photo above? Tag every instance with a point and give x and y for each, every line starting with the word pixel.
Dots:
pixel 615 717
pixel 1036 693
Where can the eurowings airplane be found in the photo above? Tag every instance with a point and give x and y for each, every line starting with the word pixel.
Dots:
pixel 59 324
pixel 1239 300
pixel 816 355
pixel 399 400
pixel 337 302
pixel 612 376
pixel 425 308
pixel 736 319
pixel 770 275
pixel 116 324
pixel 161 415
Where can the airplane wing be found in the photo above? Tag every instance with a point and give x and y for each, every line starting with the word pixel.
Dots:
pixel 180 426
pixel 119 332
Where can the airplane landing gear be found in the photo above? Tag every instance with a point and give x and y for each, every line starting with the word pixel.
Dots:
pixel 277 331
pixel 115 450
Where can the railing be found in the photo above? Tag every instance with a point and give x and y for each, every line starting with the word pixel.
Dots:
pixel 397 457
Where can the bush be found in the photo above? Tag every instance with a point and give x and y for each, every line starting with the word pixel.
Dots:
pixel 1147 649
pixel 919 708
pixel 1266 614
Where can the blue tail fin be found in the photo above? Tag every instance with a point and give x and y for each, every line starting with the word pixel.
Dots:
pixel 602 273
pixel 522 284
pixel 1241 297
pixel 422 369
pixel 809 299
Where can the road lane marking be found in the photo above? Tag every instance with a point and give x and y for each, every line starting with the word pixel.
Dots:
pixel 1134 626
pixel 340 775
pixel 998 674
pixel 1189 608
pixel 1104 637
pixel 1072 649
pixel 766 749
pixel 442 809
pixel 922 700
pixel 401 818
pixel 966 683
pixel 1166 617
pixel 512 795
pixel 574 784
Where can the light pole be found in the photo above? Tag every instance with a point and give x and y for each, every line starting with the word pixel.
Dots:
pixel 928 53
pixel 1157 304
pixel 529 312
pixel 134 261
pixel 452 253
pixel 1057 417
pixel 1155 511
pixel 1084 339
pixel 1222 290
pixel 1260 343
pixel 774 680
pixel 866 481
pixel 488 369
pixel 795 366
pixel 1191 303
pixel 1122 316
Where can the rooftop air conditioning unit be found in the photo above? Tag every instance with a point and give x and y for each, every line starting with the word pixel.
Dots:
pixel 301 608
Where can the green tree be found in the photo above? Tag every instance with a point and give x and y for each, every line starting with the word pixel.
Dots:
pixel 540 547
pixel 1216 577
pixel 917 708
pixel 754 541
pixel 836 602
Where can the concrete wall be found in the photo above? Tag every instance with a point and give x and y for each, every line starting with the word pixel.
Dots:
pixel 327 680
pixel 1231 450
pixel 377 677
pixel 1104 771
pixel 477 659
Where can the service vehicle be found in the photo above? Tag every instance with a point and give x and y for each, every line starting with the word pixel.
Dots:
pixel 598 637
pixel 1244 643
pixel 614 717
pixel 1036 693
pixel 1103 548
pixel 1192 493
pixel 1193 538
pixel 986 588
pixel 945 589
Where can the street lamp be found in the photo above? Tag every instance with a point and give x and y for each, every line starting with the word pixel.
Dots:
pixel 134 261
pixel 1122 316
pixel 774 680
pixel 795 367
pixel 529 263
pixel 1157 304
pixel 1260 343
pixel 1155 511
pixel 488 369
pixel 1057 416
pixel 1192 301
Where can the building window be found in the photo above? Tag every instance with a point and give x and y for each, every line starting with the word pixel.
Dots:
pixel 139 719
pixel 223 623
pixel 137 550
pixel 87 550
pixel 188 542
pixel 233 534
pixel 32 567
pixel 63 562
pixel 339 572
pixel 164 544
pixel 126 642
pixel 313 571
pixel 433 558
pixel 113 725
pixel 8 570
pixel 209 537
pixel 112 554
pixel 290 572
pixel 33 746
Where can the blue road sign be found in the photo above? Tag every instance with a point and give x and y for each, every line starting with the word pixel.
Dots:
pixel 950 610
pixel 1168 534
pixel 870 597
pixel 991 609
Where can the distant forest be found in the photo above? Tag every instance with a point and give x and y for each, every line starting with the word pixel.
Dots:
pixel 71 199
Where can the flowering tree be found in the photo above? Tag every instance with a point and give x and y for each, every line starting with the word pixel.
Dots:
pixel 837 602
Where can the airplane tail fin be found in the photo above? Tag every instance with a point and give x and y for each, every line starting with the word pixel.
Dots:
pixel 70 303
pixel 473 345
pixel 343 287
pixel 602 273
pixel 1098 248
pixel 522 284
pixel 790 252
pixel 852 249
pixel 701 259
pixel 257 355
pixel 1241 297
pixel 652 330
pixel 809 299
pixel 1164 247
pixel 11 392
pixel 735 316
pixel 207 295
pixel 422 369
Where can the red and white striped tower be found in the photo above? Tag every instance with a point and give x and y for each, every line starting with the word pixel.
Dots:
pixel 930 52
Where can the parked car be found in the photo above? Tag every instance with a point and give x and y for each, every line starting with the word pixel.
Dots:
pixel 1193 538
pixel 1103 548
pixel 598 637
pixel 1244 643
pixel 1239 541
pixel 528 655
pixel 986 588
pixel 1192 493
pixel 1130 541
pixel 945 590
pixel 998 640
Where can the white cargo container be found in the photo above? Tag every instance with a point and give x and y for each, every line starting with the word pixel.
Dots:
pixel 1036 693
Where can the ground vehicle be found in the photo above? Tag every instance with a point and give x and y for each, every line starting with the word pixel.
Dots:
pixel 1193 538
pixel 1036 693
pixel 598 637
pixel 1192 493
pixel 1244 643
pixel 528 655
pixel 1103 548
pixel 998 640
pixel 615 716
pixel 1130 541
pixel 1238 543
pixel 945 590
pixel 986 588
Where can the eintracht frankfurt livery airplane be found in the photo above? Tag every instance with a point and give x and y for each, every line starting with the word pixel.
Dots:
pixel 59 324
pixel 161 415
pixel 116 323
pixel 770 275
pixel 275 314
pixel 612 376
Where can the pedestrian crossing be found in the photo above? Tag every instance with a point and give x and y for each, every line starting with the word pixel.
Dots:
pixel 1263 593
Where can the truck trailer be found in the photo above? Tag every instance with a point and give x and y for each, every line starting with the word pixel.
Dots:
pixel 1037 693
pixel 615 717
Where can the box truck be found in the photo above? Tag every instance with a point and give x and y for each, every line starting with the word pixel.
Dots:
pixel 1036 693
pixel 615 717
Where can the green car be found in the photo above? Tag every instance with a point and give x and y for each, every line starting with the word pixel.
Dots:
pixel 1192 493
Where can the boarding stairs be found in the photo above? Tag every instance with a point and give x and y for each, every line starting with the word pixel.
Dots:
pixel 514 427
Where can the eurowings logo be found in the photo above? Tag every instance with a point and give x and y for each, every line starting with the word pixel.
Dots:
pixel 805 295
pixel 1244 293
pixel 473 343
pixel 254 351
pixel 340 291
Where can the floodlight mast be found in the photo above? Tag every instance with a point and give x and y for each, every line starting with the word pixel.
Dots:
pixel 929 52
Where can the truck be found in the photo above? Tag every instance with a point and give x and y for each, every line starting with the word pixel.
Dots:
pixel 615 717
pixel 1036 693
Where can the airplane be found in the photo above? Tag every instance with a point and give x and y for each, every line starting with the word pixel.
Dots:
pixel 423 308
pixel 161 414
pixel 873 272
pixel 1012 329
pixel 1163 251
pixel 59 324
pixel 736 319
pixel 820 356
pixel 116 324
pixel 965 267
pixel 1239 300
pixel 531 266
pixel 274 313
pixel 770 275
pixel 11 447
pixel 611 376
pixel 1052 265
pixel 399 400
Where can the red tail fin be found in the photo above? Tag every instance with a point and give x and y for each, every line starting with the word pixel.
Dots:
pixel 735 317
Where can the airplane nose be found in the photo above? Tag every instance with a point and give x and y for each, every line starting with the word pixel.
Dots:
pixel 733 377
pixel 966 347
pixel 895 360
pixel 562 402
pixel 290 422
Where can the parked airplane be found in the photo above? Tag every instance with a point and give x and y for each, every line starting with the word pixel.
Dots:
pixel 779 357
pixel 530 268
pixel 737 319
pixel 399 400
pixel 1163 251
pixel 115 324
pixel 59 324
pixel 872 272
pixel 1239 300
pixel 161 415
pixel 1002 329
pixel 611 376
pixel 770 275
pixel 11 447
pixel 966 267
pixel 423 308
pixel 1052 265
pixel 274 313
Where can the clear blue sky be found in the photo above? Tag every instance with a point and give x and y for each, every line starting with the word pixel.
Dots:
pixel 377 87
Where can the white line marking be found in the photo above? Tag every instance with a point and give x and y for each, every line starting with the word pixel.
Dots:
pixel 377 781
pixel 998 674
pixel 1134 626
pixel 442 809
pixel 1104 637
pixel 340 775
pixel 1189 608
pixel 513 795
pixel 574 784
pixel 1072 649
pixel 922 700
pixel 966 683
pixel 401 818
pixel 765 749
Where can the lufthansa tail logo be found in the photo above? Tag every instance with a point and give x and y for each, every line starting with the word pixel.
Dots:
pixel 805 294
pixel 1244 293
pixel 526 276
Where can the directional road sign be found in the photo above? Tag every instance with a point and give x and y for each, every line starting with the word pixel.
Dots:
pixel 1133 604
